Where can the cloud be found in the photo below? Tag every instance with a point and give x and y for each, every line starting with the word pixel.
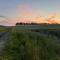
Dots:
pixel 24 7
pixel 25 10
pixel 40 19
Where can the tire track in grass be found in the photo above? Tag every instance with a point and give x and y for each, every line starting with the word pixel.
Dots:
pixel 3 38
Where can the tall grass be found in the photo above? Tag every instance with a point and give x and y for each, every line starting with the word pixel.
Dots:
pixel 31 46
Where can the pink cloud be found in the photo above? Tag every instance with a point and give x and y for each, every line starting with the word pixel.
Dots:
pixel 23 6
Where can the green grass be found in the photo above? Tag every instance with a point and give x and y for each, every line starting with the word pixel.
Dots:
pixel 2 29
pixel 25 45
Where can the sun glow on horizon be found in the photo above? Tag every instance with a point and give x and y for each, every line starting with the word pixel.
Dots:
pixel 39 11
pixel 28 18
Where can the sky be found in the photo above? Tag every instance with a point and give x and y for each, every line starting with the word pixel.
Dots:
pixel 12 11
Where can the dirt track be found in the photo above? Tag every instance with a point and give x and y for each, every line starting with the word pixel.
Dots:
pixel 4 37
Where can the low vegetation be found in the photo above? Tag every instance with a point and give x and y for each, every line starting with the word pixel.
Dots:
pixel 2 29
pixel 31 45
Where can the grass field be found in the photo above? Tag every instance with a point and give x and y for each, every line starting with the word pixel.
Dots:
pixel 2 29
pixel 26 43
pixel 51 26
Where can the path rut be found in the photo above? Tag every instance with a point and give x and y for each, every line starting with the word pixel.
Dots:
pixel 3 38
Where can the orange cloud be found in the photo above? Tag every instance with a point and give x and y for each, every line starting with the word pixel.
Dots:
pixel 40 20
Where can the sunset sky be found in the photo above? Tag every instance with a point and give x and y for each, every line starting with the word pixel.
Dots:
pixel 12 11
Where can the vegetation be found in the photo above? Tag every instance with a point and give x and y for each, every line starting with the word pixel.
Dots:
pixel 2 29
pixel 31 45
